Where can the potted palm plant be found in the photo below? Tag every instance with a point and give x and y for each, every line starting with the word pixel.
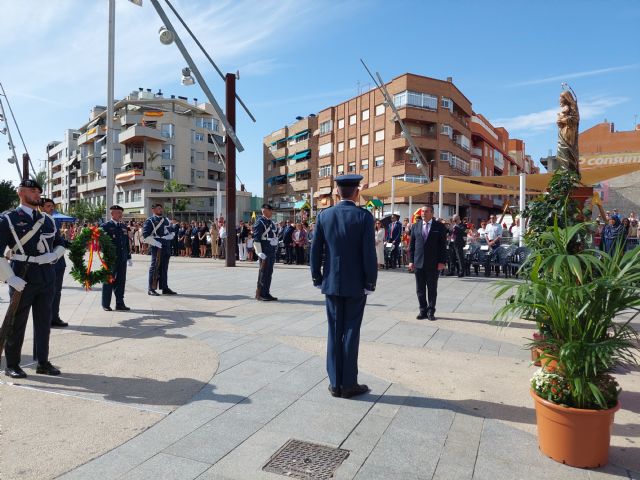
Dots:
pixel 579 295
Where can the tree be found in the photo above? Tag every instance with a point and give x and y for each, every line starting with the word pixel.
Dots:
pixel 87 212
pixel 41 178
pixel 8 195
pixel 180 204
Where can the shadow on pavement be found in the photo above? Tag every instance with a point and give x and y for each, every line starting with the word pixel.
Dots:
pixel 217 297
pixel 525 326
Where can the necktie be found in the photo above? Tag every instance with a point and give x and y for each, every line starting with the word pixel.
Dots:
pixel 425 229
pixel 35 216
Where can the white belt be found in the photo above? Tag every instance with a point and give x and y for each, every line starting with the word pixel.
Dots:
pixel 17 257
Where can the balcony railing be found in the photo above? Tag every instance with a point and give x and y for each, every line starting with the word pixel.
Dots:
pixel 477 152
pixel 300 185
pixel 138 133
pixel 459 164
pixel 91 134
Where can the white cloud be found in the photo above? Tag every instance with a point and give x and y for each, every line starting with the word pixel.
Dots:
pixel 570 76
pixel 546 119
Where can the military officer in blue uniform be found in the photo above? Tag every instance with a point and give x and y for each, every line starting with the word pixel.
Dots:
pixel 118 234
pixel 343 264
pixel 265 244
pixel 158 233
pixel 34 247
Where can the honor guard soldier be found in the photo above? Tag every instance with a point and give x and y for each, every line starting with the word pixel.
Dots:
pixel 34 246
pixel 158 234
pixel 343 264
pixel 48 206
pixel 118 234
pixel 265 244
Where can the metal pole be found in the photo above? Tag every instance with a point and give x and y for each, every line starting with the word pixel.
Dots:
pixel 523 189
pixel 230 131
pixel 4 94
pixel 410 207
pixel 11 145
pixel 230 154
pixel 25 166
pixel 218 201
pixel 457 204
pixel 110 80
pixel 440 195
pixel 311 205
pixel 393 195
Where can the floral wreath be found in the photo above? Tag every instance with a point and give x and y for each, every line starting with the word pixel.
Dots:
pixel 99 244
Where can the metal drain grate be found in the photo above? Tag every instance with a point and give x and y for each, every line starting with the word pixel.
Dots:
pixel 306 461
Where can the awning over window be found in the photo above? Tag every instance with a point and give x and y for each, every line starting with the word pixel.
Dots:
pixel 276 141
pixel 279 159
pixel 300 155
pixel 302 204
pixel 291 174
pixel 375 203
pixel 298 135
pixel 271 180
pixel 303 171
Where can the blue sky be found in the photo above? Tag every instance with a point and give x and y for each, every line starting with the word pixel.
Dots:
pixel 297 57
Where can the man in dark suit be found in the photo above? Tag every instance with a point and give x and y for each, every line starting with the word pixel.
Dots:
pixel 394 235
pixel 287 239
pixel 344 266
pixel 427 257
pixel 456 246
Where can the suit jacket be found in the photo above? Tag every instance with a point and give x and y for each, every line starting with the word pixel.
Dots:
pixel 427 253
pixel 458 231
pixel 395 232
pixel 343 252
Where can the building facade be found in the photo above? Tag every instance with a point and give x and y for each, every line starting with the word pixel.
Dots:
pixel 160 143
pixel 600 146
pixel 362 135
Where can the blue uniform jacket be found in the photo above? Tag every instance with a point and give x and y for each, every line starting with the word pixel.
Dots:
pixel 264 231
pixel 23 223
pixel 119 237
pixel 343 253
pixel 165 228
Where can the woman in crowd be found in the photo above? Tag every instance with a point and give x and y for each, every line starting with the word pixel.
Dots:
pixel 202 239
pixel 215 237
pixel 223 238
pixel 181 234
pixel 299 240
pixel 379 238
pixel 187 240
pixel 613 235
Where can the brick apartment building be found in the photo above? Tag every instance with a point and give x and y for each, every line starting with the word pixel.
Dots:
pixel 602 145
pixel 361 136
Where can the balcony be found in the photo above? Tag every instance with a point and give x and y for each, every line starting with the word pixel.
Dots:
pixel 299 166
pixel 57 175
pixel 459 164
pixel 276 189
pixel 132 157
pixel 325 182
pixel 139 133
pixel 100 183
pixel 130 119
pixel 498 162
pixel 474 198
pixel 300 185
pixel 215 165
pixel 476 152
pixel 91 134
pixel 137 175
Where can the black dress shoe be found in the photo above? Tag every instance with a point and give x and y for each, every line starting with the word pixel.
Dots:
pixel 355 390
pixel 272 298
pixel 422 316
pixel 47 369
pixel 15 372
pixel 335 392
pixel 168 291
pixel 57 323
pixel 107 309
pixel 153 292
pixel 122 308
pixel 431 316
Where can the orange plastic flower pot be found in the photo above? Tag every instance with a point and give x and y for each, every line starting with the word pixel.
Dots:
pixel 573 436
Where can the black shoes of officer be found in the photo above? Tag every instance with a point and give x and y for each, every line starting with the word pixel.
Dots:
pixel 153 292
pixel 267 298
pixel 168 291
pixel 122 308
pixel 271 298
pixel 15 372
pixel 107 309
pixel 431 316
pixel 335 392
pixel 47 369
pixel 426 316
pixel 354 391
pixel 57 323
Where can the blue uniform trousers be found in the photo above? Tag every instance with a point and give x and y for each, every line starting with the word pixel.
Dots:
pixel 117 286
pixel 344 316
pixel 164 266
pixel 270 252
pixel 38 296
pixel 55 306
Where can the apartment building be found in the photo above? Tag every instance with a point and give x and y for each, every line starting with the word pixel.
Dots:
pixel 290 165
pixel 601 146
pixel 157 139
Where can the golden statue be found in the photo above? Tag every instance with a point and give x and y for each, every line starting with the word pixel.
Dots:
pixel 568 121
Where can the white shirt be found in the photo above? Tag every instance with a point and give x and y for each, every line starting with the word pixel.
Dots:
pixel 223 232
pixel 27 210
pixel 482 233
pixel 515 232
pixel 493 231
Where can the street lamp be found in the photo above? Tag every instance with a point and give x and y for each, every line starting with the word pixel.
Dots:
pixel 187 79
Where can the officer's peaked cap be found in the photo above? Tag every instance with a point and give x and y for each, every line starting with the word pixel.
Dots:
pixel 352 180
pixel 116 207
pixel 29 183
pixel 267 206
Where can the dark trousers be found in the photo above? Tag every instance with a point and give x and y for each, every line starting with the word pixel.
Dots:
pixel 116 287
pixel 299 255
pixel 164 267
pixel 38 296
pixel 266 272
pixel 456 259
pixel 344 315
pixel 427 284
pixel 289 253
pixel 55 306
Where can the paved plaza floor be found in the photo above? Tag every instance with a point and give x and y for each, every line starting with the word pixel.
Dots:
pixel 210 384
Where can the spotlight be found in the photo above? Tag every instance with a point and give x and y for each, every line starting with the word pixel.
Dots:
pixel 187 79
pixel 166 36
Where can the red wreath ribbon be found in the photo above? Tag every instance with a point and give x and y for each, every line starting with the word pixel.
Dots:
pixel 94 247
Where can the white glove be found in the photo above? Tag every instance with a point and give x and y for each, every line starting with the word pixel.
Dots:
pixel 262 256
pixel 154 243
pixel 17 283
pixel 367 292
pixel 319 287
pixel 130 263
pixel 169 236
pixel 46 258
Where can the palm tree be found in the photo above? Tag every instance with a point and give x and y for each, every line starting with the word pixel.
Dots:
pixel 41 177
pixel 174 186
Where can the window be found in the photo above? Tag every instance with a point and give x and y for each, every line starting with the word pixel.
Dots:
pixel 352 119
pixel 193 136
pixel 341 146
pixel 199 156
pixel 379 135
pixel 444 156
pixel 340 169
pixel 351 167
pixel 210 124
pixel 365 139
pixel 120 197
pixel 415 99
pixel 167 152
pixel 326 149
pixel 326 127
pixel 379 161
pixel 136 195
pixel 365 114
pixel 352 143
pixel 379 109
pixel 446 103
pixel 198 137
pixel 446 130
pixel 364 164
pixel 340 123
pixel 167 130
pixel 325 171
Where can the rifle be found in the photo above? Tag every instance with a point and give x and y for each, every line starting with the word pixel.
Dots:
pixel 263 267
pixel 156 271
pixel 10 316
